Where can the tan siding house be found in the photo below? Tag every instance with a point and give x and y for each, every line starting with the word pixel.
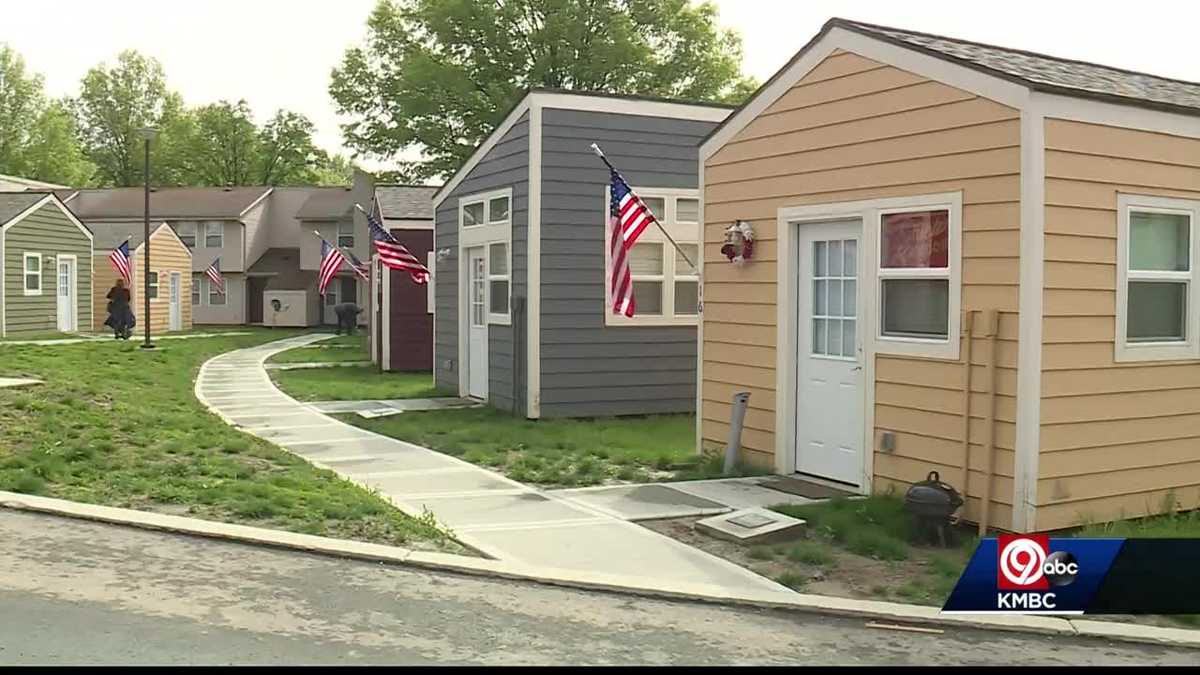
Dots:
pixel 171 280
pixel 907 191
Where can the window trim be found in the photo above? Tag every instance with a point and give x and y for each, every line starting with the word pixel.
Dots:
pixel 189 225
pixel 911 345
pixel 220 230
pixel 684 233
pixel 25 273
pixel 484 235
pixel 1189 347
pixel 493 317
pixel 338 234
pixel 210 292
pixel 197 289
pixel 152 286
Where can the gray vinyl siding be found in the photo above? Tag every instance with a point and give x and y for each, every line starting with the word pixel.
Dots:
pixel 506 165
pixel 49 232
pixel 587 368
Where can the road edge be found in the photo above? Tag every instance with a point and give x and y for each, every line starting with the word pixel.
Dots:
pixel 445 562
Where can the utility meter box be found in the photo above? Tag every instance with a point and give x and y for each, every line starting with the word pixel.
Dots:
pixel 285 308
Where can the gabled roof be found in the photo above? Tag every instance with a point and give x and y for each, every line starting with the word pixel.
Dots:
pixel 406 202
pixel 13 203
pixel 1045 73
pixel 228 203
pixel 327 203
pixel 16 182
pixel 110 235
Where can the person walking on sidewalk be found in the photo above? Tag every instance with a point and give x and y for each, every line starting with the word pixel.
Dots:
pixel 120 314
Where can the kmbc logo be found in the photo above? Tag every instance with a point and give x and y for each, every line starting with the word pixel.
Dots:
pixel 1025 563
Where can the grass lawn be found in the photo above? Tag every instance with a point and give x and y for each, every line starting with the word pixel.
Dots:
pixel 336 350
pixel 354 383
pixel 557 452
pixel 117 426
pixel 50 335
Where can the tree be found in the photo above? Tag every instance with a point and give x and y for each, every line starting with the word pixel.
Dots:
pixel 225 145
pixel 287 154
pixel 113 104
pixel 21 101
pixel 437 75
pixel 53 154
pixel 333 170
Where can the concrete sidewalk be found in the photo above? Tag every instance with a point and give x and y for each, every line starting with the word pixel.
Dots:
pixel 109 338
pixel 500 517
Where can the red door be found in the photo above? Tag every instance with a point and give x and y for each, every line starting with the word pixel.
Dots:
pixel 409 320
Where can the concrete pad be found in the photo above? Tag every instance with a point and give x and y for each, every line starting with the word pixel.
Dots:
pixel 338 407
pixel 643 502
pixel 404 405
pixel 504 509
pixel 309 366
pixel 357 464
pixel 423 485
pixel 738 493
pixel 752 526
pixel 349 443
pixel 281 434
pixel 17 382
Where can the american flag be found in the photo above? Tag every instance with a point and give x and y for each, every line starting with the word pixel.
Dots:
pixel 120 261
pixel 362 269
pixel 214 275
pixel 331 262
pixel 628 218
pixel 394 255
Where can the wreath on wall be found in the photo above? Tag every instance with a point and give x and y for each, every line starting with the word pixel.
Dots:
pixel 739 242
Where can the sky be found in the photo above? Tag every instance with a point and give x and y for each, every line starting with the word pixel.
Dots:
pixel 279 53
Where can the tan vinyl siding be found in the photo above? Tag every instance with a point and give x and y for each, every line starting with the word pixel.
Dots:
pixel 1116 438
pixel 856 129
pixel 50 232
pixel 167 255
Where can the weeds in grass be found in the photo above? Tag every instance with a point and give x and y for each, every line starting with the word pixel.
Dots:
pixel 792 580
pixel 810 553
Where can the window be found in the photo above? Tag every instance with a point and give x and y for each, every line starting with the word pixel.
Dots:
pixel 345 235
pixel 187 233
pixel 430 296
pixel 835 298
pixel 486 211
pixel 1156 303
pixel 498 279
pixel 473 214
pixel 215 296
pixel 498 210
pixel 152 286
pixel 914 273
pixel 197 283
pixel 666 287
pixel 33 273
pixel 214 234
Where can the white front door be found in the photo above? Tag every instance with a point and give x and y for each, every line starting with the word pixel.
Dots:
pixel 175 320
pixel 67 294
pixel 477 352
pixel 829 394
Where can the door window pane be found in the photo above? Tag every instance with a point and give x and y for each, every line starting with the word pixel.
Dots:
pixel 835 297
pixel 646 259
pixel 849 258
pixel 648 296
pixel 835 338
pixel 819 259
pixel 478 290
pixel 850 298
pixel 919 239
pixel 835 259
pixel 498 296
pixel 498 259
pixel 916 307
pixel 682 268
pixel 820 298
pixel 687 210
pixel 1157 311
pixel 687 297
pixel 1159 242
pixel 820 332
pixel 849 327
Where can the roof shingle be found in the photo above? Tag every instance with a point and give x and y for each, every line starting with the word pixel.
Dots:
pixel 406 202
pixel 327 203
pixel 12 203
pixel 182 202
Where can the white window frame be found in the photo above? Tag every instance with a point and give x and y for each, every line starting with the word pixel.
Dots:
pixel 486 234
pixel 208 224
pixel 1189 347
pixel 198 289
pixel 25 273
pixel 683 233
pixel 152 285
pixel 494 317
pixel 186 226
pixel 339 234
pixel 947 347
pixel 210 291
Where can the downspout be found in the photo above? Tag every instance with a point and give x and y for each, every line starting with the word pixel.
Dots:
pixel 968 325
pixel 518 347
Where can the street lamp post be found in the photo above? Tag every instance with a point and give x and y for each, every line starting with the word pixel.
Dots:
pixel 147 135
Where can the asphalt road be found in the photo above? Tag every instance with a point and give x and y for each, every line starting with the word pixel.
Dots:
pixel 73 592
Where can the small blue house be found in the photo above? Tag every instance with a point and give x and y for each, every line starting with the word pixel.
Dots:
pixel 521 316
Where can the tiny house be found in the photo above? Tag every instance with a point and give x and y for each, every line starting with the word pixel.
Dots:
pixel 401 311
pixel 521 316
pixel 45 266
pixel 172 292
pixel 968 259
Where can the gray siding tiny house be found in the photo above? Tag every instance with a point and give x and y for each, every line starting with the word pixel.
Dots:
pixel 570 357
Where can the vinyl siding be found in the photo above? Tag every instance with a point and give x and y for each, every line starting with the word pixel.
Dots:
pixel 50 232
pixel 856 129
pixel 257 235
pixel 166 255
pixel 233 312
pixel 1116 438
pixel 506 165
pixel 588 368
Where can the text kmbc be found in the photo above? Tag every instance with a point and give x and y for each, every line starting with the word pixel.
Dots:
pixel 1025 563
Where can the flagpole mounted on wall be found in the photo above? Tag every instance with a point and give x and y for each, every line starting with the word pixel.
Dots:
pixel 600 153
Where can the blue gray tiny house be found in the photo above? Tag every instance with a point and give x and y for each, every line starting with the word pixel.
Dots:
pixel 521 312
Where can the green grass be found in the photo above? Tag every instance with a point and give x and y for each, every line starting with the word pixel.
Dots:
pixel 354 383
pixel 335 350
pixel 874 527
pixel 48 335
pixel 557 452
pixel 118 426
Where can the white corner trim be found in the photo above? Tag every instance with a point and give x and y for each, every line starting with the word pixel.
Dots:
pixel 481 152
pixel 1029 346
pixel 1058 106
pixel 699 318
pixel 631 106
pixel 3 283
pixel 385 316
pixel 255 203
pixel 533 265
pixel 918 63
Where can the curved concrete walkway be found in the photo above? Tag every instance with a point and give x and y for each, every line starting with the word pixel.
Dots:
pixel 494 514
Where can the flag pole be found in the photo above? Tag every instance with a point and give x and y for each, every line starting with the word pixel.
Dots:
pixel 600 153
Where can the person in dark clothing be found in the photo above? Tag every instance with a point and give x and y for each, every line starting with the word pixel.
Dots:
pixel 120 314
pixel 347 316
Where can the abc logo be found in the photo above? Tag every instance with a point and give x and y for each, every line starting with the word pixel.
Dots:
pixel 1025 563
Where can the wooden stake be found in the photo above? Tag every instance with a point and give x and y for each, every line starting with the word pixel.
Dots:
pixel 968 325
pixel 991 327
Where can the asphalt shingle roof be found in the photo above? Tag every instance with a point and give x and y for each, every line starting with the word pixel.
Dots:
pixel 107 236
pixel 327 204
pixel 183 202
pixel 1048 73
pixel 406 202
pixel 12 203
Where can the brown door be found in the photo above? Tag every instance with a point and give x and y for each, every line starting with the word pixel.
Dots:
pixel 411 323
pixel 254 291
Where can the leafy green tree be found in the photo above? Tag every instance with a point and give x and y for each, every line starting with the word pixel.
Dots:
pixel 53 153
pixel 225 145
pixel 21 101
pixel 333 170
pixel 286 152
pixel 437 75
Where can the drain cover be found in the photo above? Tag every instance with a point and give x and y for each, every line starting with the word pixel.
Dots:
pixel 751 521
